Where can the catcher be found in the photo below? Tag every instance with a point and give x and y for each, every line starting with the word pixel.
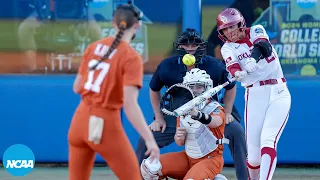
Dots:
pixel 200 131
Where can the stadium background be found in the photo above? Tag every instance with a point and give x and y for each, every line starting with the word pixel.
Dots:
pixel 36 107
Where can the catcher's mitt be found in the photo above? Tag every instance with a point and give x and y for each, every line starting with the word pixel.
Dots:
pixel 175 96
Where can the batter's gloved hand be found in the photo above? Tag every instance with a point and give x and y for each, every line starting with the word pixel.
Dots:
pixel 194 112
pixel 251 65
pixel 241 75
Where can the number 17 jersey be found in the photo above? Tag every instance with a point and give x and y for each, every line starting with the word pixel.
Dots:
pixel 237 53
pixel 103 87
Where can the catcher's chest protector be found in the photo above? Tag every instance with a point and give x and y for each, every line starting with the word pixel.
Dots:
pixel 200 140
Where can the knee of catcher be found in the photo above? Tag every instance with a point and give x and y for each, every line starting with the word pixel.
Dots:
pixel 150 171
pixel 220 177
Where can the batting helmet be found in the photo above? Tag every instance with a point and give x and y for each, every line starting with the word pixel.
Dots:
pixel 227 18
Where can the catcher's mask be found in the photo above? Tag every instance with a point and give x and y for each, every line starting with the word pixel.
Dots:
pixel 191 37
pixel 198 80
pixel 197 88
pixel 175 96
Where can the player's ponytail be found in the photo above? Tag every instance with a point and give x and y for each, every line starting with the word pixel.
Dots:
pixel 125 17
pixel 115 43
pixel 122 27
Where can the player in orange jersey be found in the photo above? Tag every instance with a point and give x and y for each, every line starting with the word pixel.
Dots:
pixel 201 132
pixel 109 78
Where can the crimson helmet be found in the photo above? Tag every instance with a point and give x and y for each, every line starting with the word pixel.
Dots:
pixel 227 18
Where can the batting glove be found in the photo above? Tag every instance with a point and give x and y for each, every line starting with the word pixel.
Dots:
pixel 251 65
pixel 241 75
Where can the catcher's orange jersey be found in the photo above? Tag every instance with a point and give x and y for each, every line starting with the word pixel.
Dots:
pixel 185 167
pixel 103 87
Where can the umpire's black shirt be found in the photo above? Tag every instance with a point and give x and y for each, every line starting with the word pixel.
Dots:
pixel 171 71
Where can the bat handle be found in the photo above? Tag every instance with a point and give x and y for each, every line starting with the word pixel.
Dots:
pixel 232 79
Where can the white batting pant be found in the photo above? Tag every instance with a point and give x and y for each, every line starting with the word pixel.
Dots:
pixel 266 114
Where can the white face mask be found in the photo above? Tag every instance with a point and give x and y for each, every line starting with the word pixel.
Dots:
pixel 197 88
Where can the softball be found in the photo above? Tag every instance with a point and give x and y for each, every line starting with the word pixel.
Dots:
pixel 189 59
pixel 154 166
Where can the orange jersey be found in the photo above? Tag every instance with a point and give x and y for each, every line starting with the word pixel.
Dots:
pixel 103 87
pixel 219 131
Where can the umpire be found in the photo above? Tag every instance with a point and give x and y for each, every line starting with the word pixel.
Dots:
pixel 171 71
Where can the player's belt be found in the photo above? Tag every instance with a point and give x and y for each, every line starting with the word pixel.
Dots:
pixel 269 82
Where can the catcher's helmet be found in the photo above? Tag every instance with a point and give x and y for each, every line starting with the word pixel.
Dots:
pixel 191 36
pixel 195 76
pixel 227 18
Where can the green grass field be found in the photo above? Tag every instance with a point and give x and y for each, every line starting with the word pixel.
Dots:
pixel 160 39
pixel 161 36
pixel 104 173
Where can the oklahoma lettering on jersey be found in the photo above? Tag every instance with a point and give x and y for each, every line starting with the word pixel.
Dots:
pixel 237 53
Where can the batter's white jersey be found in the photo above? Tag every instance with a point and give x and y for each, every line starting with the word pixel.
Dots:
pixel 238 52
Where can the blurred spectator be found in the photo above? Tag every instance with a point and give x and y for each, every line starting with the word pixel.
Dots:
pixel 250 9
pixel 56 26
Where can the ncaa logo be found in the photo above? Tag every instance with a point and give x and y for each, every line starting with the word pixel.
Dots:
pixel 306 3
pixel 18 160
